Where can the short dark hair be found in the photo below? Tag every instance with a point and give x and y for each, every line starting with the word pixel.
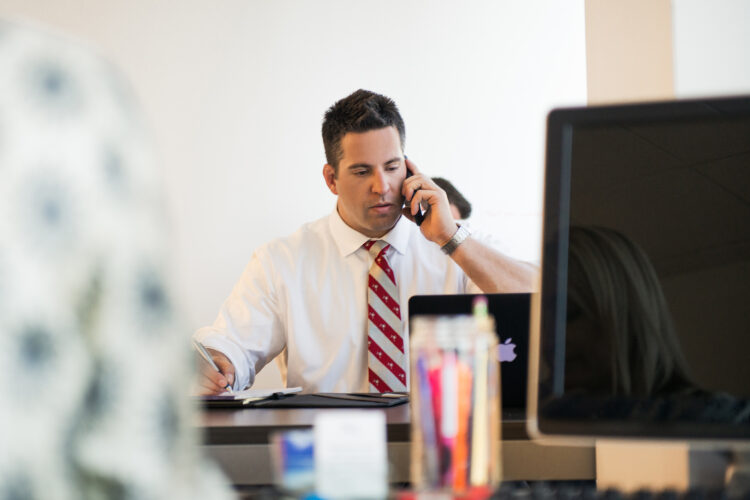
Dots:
pixel 454 197
pixel 359 112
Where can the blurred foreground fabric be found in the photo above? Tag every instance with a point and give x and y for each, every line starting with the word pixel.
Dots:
pixel 94 365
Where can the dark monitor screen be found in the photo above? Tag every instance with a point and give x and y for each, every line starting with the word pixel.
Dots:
pixel 643 321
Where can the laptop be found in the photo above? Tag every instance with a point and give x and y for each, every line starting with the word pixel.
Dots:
pixel 511 312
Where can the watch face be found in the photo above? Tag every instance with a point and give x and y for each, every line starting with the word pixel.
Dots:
pixel 458 237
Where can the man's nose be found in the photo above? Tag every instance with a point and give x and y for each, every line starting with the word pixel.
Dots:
pixel 380 183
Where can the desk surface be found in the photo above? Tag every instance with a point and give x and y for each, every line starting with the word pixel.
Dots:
pixel 254 426
pixel 239 441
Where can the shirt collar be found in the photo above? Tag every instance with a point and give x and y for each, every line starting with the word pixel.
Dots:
pixel 349 240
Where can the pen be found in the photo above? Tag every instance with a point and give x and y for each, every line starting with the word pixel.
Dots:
pixel 205 355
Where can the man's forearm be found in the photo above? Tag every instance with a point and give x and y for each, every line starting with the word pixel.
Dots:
pixel 492 271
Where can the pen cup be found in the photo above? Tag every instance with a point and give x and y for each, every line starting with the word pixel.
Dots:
pixel 455 398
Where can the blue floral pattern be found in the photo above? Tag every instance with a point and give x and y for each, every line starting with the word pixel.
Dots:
pixel 94 368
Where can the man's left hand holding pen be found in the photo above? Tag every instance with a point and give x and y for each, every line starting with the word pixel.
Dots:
pixel 216 371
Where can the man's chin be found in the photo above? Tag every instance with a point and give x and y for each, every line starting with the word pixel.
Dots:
pixel 383 224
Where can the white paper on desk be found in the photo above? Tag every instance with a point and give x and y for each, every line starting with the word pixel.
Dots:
pixel 350 454
pixel 260 393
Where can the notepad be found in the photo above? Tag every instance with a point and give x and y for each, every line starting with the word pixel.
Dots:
pixel 250 395
pixel 260 393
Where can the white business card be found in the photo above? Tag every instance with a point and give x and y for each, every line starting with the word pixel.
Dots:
pixel 350 454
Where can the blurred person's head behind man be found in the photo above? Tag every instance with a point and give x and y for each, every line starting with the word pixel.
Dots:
pixel 460 206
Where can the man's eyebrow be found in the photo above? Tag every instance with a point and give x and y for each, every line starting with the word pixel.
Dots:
pixel 355 166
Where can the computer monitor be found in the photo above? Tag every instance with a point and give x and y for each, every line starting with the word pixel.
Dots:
pixel 642 326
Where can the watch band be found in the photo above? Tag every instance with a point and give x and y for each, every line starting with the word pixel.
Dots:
pixel 458 237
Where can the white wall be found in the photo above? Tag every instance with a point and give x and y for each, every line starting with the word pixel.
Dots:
pixel 235 92
pixel 711 44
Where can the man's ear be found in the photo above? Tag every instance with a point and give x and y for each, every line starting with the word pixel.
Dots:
pixel 329 174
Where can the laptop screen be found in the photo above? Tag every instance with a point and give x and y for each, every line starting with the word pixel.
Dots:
pixel 511 313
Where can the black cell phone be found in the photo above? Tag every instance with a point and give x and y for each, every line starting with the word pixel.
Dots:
pixel 419 216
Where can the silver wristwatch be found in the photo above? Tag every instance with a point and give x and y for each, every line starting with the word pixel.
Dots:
pixel 458 237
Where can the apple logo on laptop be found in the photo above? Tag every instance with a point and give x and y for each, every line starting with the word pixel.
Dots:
pixel 507 350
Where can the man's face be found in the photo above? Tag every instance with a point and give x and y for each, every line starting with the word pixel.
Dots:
pixel 369 180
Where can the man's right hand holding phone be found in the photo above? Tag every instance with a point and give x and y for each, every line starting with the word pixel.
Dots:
pixel 438 225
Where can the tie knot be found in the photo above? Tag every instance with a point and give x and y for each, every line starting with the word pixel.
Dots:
pixel 376 247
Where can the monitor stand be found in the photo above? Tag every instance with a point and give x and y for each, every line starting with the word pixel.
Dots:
pixel 738 473
pixel 633 465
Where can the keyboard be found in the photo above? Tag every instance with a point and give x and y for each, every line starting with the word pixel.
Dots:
pixel 521 490
pixel 587 491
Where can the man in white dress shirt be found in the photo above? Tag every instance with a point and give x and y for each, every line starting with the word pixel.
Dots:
pixel 303 298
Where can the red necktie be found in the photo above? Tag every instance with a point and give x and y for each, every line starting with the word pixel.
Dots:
pixel 386 358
